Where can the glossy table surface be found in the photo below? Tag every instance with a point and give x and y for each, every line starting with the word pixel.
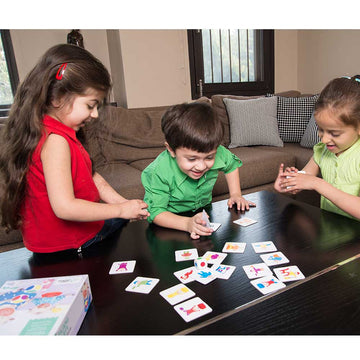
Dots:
pixel 314 240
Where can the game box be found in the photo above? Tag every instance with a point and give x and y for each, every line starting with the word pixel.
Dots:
pixel 44 306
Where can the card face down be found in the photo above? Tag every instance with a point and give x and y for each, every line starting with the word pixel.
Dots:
pixel 192 309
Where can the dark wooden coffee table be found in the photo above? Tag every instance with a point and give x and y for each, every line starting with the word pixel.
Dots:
pixel 314 240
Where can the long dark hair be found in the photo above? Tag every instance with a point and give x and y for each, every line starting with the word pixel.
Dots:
pixel 342 95
pixel 45 83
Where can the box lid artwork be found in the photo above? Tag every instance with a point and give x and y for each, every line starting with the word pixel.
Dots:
pixel 44 306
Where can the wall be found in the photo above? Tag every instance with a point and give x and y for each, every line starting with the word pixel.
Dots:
pixel 324 55
pixel 151 68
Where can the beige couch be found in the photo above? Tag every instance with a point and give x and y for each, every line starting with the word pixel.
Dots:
pixel 123 142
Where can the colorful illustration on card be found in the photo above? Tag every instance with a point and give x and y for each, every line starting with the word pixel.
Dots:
pixel 234 247
pixel 142 285
pixel 223 271
pixel 192 309
pixel 256 270
pixel 264 246
pixel 289 273
pixel 214 257
pixel 177 293
pixel 276 258
pixel 122 267
pixel 267 284
pixel 184 255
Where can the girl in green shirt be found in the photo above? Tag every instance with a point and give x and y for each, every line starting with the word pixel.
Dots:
pixel 337 156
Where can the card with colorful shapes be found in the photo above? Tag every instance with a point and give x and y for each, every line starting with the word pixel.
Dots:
pixel 122 267
pixel 222 271
pixel 185 275
pixel 214 257
pixel 204 276
pixel 184 255
pixel 234 247
pixel 289 273
pixel 275 258
pixel 257 270
pixel 263 246
pixel 267 284
pixel 142 285
pixel 177 293
pixel 245 221
pixel 192 309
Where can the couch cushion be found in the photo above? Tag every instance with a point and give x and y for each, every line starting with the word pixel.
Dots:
pixel 311 136
pixel 260 166
pixel 125 179
pixel 253 122
pixel 302 155
pixel 293 115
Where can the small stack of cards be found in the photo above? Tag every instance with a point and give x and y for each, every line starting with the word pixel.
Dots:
pixel 264 281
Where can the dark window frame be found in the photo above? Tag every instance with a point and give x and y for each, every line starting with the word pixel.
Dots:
pixel 11 66
pixel 263 87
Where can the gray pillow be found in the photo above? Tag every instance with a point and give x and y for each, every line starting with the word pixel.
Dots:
pixel 310 137
pixel 253 122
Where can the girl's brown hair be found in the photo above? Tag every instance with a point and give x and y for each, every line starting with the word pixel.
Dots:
pixel 193 126
pixel 342 95
pixel 33 98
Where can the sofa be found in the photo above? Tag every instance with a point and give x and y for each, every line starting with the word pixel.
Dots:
pixel 122 142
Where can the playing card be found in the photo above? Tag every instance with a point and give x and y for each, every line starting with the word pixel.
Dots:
pixel 215 226
pixel 188 254
pixel 204 276
pixel 264 246
pixel 142 285
pixel 177 293
pixel 214 257
pixel 245 221
pixel 192 309
pixel 185 275
pixel 210 225
pixel 122 267
pixel 257 270
pixel 222 271
pixel 289 273
pixel 275 258
pixel 234 247
pixel 267 284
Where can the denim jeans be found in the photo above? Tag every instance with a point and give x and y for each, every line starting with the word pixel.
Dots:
pixel 110 226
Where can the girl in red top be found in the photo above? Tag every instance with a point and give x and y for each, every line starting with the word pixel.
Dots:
pixel 51 192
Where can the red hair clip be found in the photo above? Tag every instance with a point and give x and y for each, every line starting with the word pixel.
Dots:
pixel 60 73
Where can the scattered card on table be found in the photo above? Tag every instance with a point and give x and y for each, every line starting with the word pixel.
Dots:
pixel 192 309
pixel 245 221
pixel 122 267
pixel 275 258
pixel 142 285
pixel 204 276
pixel 234 247
pixel 185 275
pixel 188 254
pixel 264 246
pixel 214 257
pixel 267 284
pixel 222 271
pixel 257 270
pixel 177 293
pixel 289 273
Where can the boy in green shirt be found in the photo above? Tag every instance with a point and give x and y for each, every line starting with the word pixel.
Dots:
pixel 182 177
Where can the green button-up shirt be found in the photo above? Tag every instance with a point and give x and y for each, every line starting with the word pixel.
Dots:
pixel 342 172
pixel 167 188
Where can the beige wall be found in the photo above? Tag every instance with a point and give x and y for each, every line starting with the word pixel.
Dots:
pixel 151 67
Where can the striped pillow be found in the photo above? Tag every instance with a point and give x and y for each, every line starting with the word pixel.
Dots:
pixel 310 137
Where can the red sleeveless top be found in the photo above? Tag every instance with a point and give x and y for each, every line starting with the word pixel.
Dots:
pixel 41 229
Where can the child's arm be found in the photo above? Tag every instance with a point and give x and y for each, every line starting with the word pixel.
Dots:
pixel 233 182
pixel 194 225
pixel 56 160
pixel 106 191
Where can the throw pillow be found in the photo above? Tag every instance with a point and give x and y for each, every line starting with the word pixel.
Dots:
pixel 311 136
pixel 253 122
pixel 293 115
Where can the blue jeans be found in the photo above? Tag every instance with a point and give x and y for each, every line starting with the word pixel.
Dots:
pixel 110 226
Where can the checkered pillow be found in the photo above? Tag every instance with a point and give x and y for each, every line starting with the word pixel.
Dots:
pixel 293 115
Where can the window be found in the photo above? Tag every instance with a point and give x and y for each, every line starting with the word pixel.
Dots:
pixel 9 78
pixel 237 62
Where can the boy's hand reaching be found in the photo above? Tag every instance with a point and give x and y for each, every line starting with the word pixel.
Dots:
pixel 241 203
pixel 197 228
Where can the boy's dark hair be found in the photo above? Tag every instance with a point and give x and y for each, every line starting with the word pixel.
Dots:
pixel 342 95
pixel 193 126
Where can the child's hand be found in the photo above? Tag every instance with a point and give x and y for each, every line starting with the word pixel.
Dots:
pixel 297 181
pixel 197 228
pixel 134 209
pixel 241 203
pixel 280 178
